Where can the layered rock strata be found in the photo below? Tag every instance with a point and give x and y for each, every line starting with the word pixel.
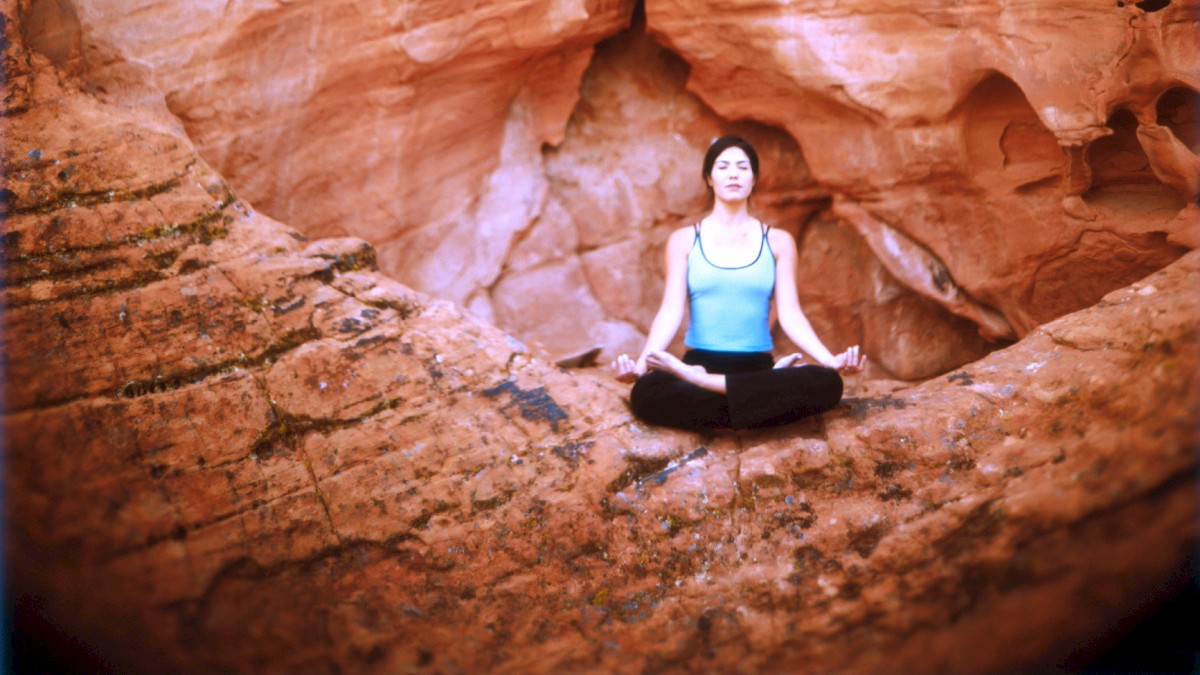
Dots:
pixel 1000 169
pixel 417 126
pixel 230 448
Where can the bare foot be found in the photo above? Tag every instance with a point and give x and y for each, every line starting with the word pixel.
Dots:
pixel 790 360
pixel 697 375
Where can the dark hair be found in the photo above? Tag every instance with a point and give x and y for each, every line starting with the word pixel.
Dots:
pixel 721 145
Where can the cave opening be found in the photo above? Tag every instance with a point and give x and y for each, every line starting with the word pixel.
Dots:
pixel 1123 180
pixel 1006 140
pixel 1150 6
pixel 626 174
pixel 1134 202
pixel 1178 109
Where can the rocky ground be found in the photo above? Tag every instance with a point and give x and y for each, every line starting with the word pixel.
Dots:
pixel 232 448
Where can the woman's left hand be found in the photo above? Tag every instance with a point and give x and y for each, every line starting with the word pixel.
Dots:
pixel 850 361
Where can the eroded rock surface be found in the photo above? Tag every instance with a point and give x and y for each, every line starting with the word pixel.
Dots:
pixel 1042 155
pixel 233 449
pixel 407 124
pixel 1034 158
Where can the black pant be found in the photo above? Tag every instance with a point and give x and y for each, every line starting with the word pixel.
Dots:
pixel 757 395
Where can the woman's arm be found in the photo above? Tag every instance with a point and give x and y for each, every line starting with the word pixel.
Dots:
pixel 791 317
pixel 670 312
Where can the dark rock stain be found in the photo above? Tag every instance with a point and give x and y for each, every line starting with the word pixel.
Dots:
pixel 572 452
pixel 860 408
pixel 534 404
pixel 963 379
pixel 280 310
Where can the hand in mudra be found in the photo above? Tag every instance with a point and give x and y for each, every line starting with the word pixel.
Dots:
pixel 627 370
pixel 848 362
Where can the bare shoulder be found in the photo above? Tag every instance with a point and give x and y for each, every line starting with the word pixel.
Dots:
pixel 680 240
pixel 783 245
pixel 781 239
pixel 685 233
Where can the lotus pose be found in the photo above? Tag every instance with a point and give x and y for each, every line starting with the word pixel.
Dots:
pixel 726 269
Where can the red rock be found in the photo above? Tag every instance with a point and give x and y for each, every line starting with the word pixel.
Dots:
pixel 886 123
pixel 1015 166
pixel 369 102
pixel 233 449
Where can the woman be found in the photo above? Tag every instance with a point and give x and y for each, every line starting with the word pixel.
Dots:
pixel 726 269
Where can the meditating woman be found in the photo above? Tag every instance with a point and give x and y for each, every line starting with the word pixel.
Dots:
pixel 726 269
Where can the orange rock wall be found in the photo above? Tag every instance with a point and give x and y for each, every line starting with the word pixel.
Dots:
pixel 230 448
pixel 383 120
pixel 998 168
pixel 1037 155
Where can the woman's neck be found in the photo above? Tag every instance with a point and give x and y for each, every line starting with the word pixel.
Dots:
pixel 729 214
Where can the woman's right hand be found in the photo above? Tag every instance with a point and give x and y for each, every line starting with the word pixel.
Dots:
pixel 850 361
pixel 627 370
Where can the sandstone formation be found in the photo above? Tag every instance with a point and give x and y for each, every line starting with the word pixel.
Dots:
pixel 417 125
pixel 1033 158
pixel 1039 156
pixel 231 448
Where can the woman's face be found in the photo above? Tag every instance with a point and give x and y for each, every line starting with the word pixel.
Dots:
pixel 732 179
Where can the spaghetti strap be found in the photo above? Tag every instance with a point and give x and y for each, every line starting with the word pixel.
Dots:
pixel 763 243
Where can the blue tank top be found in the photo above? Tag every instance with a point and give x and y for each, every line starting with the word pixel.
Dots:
pixel 730 306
